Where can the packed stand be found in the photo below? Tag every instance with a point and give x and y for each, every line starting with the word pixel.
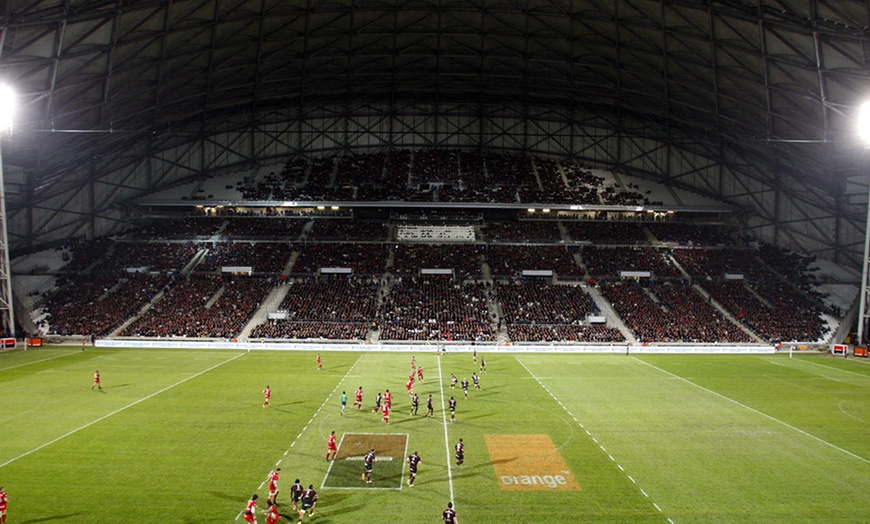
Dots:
pixel 464 260
pixel 97 304
pixel 262 257
pixel 275 228
pixel 341 229
pixel 190 308
pixel 690 234
pixel 676 314
pixel 154 256
pixel 606 232
pixel 179 228
pixel 716 262
pixel 527 303
pixel 787 316
pixel 555 333
pixel 522 231
pixel 610 261
pixel 363 259
pixel 436 308
pixel 296 330
pixel 338 309
pixel 512 260
pixel 547 313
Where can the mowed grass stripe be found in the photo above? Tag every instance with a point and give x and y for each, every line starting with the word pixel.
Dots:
pixel 194 453
pixel 704 458
pixel 104 417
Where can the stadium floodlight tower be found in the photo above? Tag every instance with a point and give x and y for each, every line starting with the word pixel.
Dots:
pixel 7 315
pixel 863 122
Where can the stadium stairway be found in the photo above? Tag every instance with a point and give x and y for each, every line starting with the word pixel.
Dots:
pixel 724 312
pixel 271 303
pixel 613 319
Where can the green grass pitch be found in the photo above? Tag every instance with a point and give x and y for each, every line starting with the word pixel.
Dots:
pixel 180 436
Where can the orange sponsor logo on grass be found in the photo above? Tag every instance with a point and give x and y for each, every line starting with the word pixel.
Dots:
pixel 529 463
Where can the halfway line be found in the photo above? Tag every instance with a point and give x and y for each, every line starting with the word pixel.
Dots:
pixel 446 437
pixel 104 417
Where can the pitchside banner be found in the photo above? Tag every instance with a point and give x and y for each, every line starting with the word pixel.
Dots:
pixel 529 463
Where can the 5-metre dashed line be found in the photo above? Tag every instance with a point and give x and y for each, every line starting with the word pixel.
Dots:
pixel 340 382
pixel 644 493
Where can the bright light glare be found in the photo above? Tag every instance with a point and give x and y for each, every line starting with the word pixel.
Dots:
pixel 7 108
pixel 864 122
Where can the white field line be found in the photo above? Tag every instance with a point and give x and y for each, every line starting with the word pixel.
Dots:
pixel 446 437
pixel 104 417
pixel 829 368
pixel 38 361
pixel 603 449
pixel 757 412
pixel 307 424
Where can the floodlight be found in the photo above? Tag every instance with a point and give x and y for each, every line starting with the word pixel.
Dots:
pixel 7 108
pixel 863 123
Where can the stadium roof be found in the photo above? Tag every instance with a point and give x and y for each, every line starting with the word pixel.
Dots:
pixel 766 88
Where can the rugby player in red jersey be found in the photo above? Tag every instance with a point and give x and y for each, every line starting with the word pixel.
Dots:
pixel 273 486
pixel 331 448
pixel 4 501
pixel 267 394
pixel 359 396
pixel 272 515
pixel 250 509
pixel 385 410
pixel 96 381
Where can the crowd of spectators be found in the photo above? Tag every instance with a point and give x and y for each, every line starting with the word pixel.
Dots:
pixel 715 262
pixel 783 314
pixel 610 261
pixel 262 257
pixel 436 166
pixel 691 234
pixel 463 259
pixel 97 304
pixel 670 312
pixel 363 259
pixel 555 333
pixel 156 256
pixel 522 231
pixel 605 232
pixel 294 330
pixel 776 300
pixel 343 229
pixel 269 228
pixel 512 260
pixel 334 300
pixel 525 302
pixel 192 308
pixel 187 227
pixel 436 308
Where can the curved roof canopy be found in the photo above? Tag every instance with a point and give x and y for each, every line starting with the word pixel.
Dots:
pixel 771 82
